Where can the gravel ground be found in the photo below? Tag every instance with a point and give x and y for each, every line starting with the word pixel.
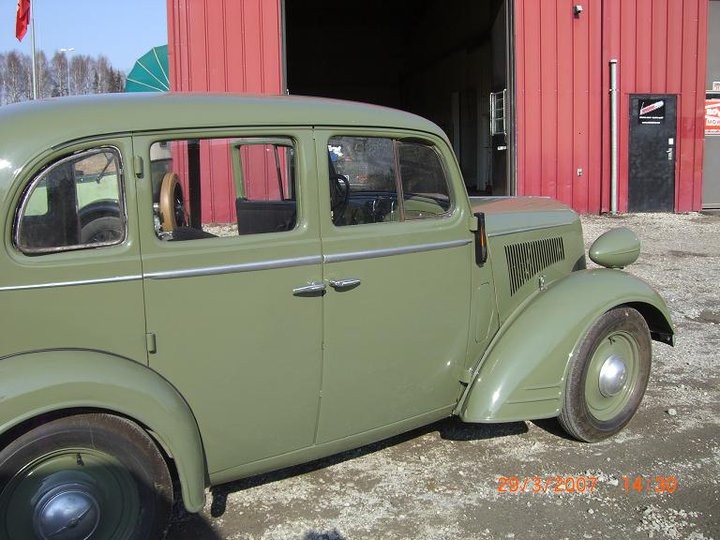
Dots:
pixel 442 481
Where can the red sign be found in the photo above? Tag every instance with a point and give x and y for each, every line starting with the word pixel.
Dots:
pixel 712 117
pixel 647 109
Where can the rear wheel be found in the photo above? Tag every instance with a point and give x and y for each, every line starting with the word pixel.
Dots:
pixel 608 375
pixel 90 476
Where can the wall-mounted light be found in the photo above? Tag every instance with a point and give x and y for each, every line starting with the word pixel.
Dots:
pixel 577 10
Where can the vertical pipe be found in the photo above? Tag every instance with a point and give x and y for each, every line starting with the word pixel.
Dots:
pixel 285 87
pixel 32 46
pixel 613 135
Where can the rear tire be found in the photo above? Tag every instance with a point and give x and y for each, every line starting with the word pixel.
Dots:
pixel 89 476
pixel 608 375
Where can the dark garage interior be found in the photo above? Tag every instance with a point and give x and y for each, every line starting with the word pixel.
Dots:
pixel 439 59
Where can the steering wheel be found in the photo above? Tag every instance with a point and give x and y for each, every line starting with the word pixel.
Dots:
pixel 172 203
pixel 339 196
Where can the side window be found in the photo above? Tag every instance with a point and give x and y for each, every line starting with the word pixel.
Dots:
pixel 260 175
pixel 424 184
pixel 74 203
pixel 375 180
pixel 363 186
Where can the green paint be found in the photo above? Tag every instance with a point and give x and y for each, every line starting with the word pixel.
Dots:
pixel 245 376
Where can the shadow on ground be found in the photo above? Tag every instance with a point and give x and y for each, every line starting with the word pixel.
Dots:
pixel 196 526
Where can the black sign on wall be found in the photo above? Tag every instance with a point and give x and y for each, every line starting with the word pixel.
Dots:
pixel 651 111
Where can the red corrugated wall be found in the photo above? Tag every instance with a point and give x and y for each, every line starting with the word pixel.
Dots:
pixel 562 81
pixel 558 111
pixel 223 46
pixel 562 102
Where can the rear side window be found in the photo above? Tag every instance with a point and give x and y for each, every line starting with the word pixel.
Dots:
pixel 261 171
pixel 74 203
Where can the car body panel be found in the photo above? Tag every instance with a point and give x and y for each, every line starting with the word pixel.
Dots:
pixel 42 382
pixel 395 345
pixel 233 328
pixel 522 375
pixel 49 300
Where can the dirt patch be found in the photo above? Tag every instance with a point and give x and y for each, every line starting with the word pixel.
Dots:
pixel 441 482
pixel 708 316
pixel 685 254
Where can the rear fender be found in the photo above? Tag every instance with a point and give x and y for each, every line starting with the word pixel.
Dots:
pixel 522 374
pixel 34 384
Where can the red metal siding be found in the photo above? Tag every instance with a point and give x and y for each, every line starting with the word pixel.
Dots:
pixel 558 107
pixel 224 46
pixel 562 98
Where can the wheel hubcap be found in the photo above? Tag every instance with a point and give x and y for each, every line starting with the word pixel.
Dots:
pixel 613 376
pixel 67 512
pixel 70 494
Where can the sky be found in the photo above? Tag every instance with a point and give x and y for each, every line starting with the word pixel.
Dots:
pixel 122 30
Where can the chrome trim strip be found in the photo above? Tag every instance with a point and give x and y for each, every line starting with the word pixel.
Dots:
pixel 235 268
pixel 530 229
pixel 117 279
pixel 389 252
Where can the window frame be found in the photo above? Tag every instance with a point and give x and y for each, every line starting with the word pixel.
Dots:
pixel 235 139
pixel 396 139
pixel 446 177
pixel 29 189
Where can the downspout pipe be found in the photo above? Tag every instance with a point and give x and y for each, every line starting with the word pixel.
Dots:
pixel 613 135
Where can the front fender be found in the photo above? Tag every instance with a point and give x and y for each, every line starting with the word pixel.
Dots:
pixel 37 383
pixel 522 374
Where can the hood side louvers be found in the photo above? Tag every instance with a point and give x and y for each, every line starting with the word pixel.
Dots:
pixel 527 259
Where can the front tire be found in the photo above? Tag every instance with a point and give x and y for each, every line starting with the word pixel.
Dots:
pixel 84 477
pixel 608 375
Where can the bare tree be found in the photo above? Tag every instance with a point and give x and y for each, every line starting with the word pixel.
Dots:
pixel 86 75
pixel 59 66
pixel 81 74
pixel 18 77
pixel 2 79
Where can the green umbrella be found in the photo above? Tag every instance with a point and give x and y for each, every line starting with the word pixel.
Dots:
pixel 150 72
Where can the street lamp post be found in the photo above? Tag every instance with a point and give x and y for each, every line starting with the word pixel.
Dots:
pixel 67 62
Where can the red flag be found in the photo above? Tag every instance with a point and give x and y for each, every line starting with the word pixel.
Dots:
pixel 23 19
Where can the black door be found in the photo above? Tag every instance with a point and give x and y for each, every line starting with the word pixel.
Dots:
pixel 653 141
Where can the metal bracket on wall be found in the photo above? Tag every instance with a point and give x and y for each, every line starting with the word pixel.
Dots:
pixel 498 126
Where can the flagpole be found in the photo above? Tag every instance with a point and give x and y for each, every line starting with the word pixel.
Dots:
pixel 32 47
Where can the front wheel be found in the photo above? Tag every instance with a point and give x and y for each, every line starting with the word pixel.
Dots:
pixel 84 477
pixel 608 375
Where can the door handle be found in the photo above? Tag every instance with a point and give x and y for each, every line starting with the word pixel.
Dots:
pixel 311 289
pixel 344 284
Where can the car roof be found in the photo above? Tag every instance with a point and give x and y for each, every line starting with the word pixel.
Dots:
pixel 53 121
pixel 34 127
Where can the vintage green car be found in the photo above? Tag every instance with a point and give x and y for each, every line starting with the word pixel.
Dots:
pixel 202 288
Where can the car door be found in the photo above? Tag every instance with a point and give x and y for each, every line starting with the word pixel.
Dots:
pixel 233 319
pixel 397 252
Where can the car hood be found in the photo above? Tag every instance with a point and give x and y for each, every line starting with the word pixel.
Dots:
pixel 504 215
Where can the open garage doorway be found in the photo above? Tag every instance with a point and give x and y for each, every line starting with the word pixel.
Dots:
pixel 445 60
